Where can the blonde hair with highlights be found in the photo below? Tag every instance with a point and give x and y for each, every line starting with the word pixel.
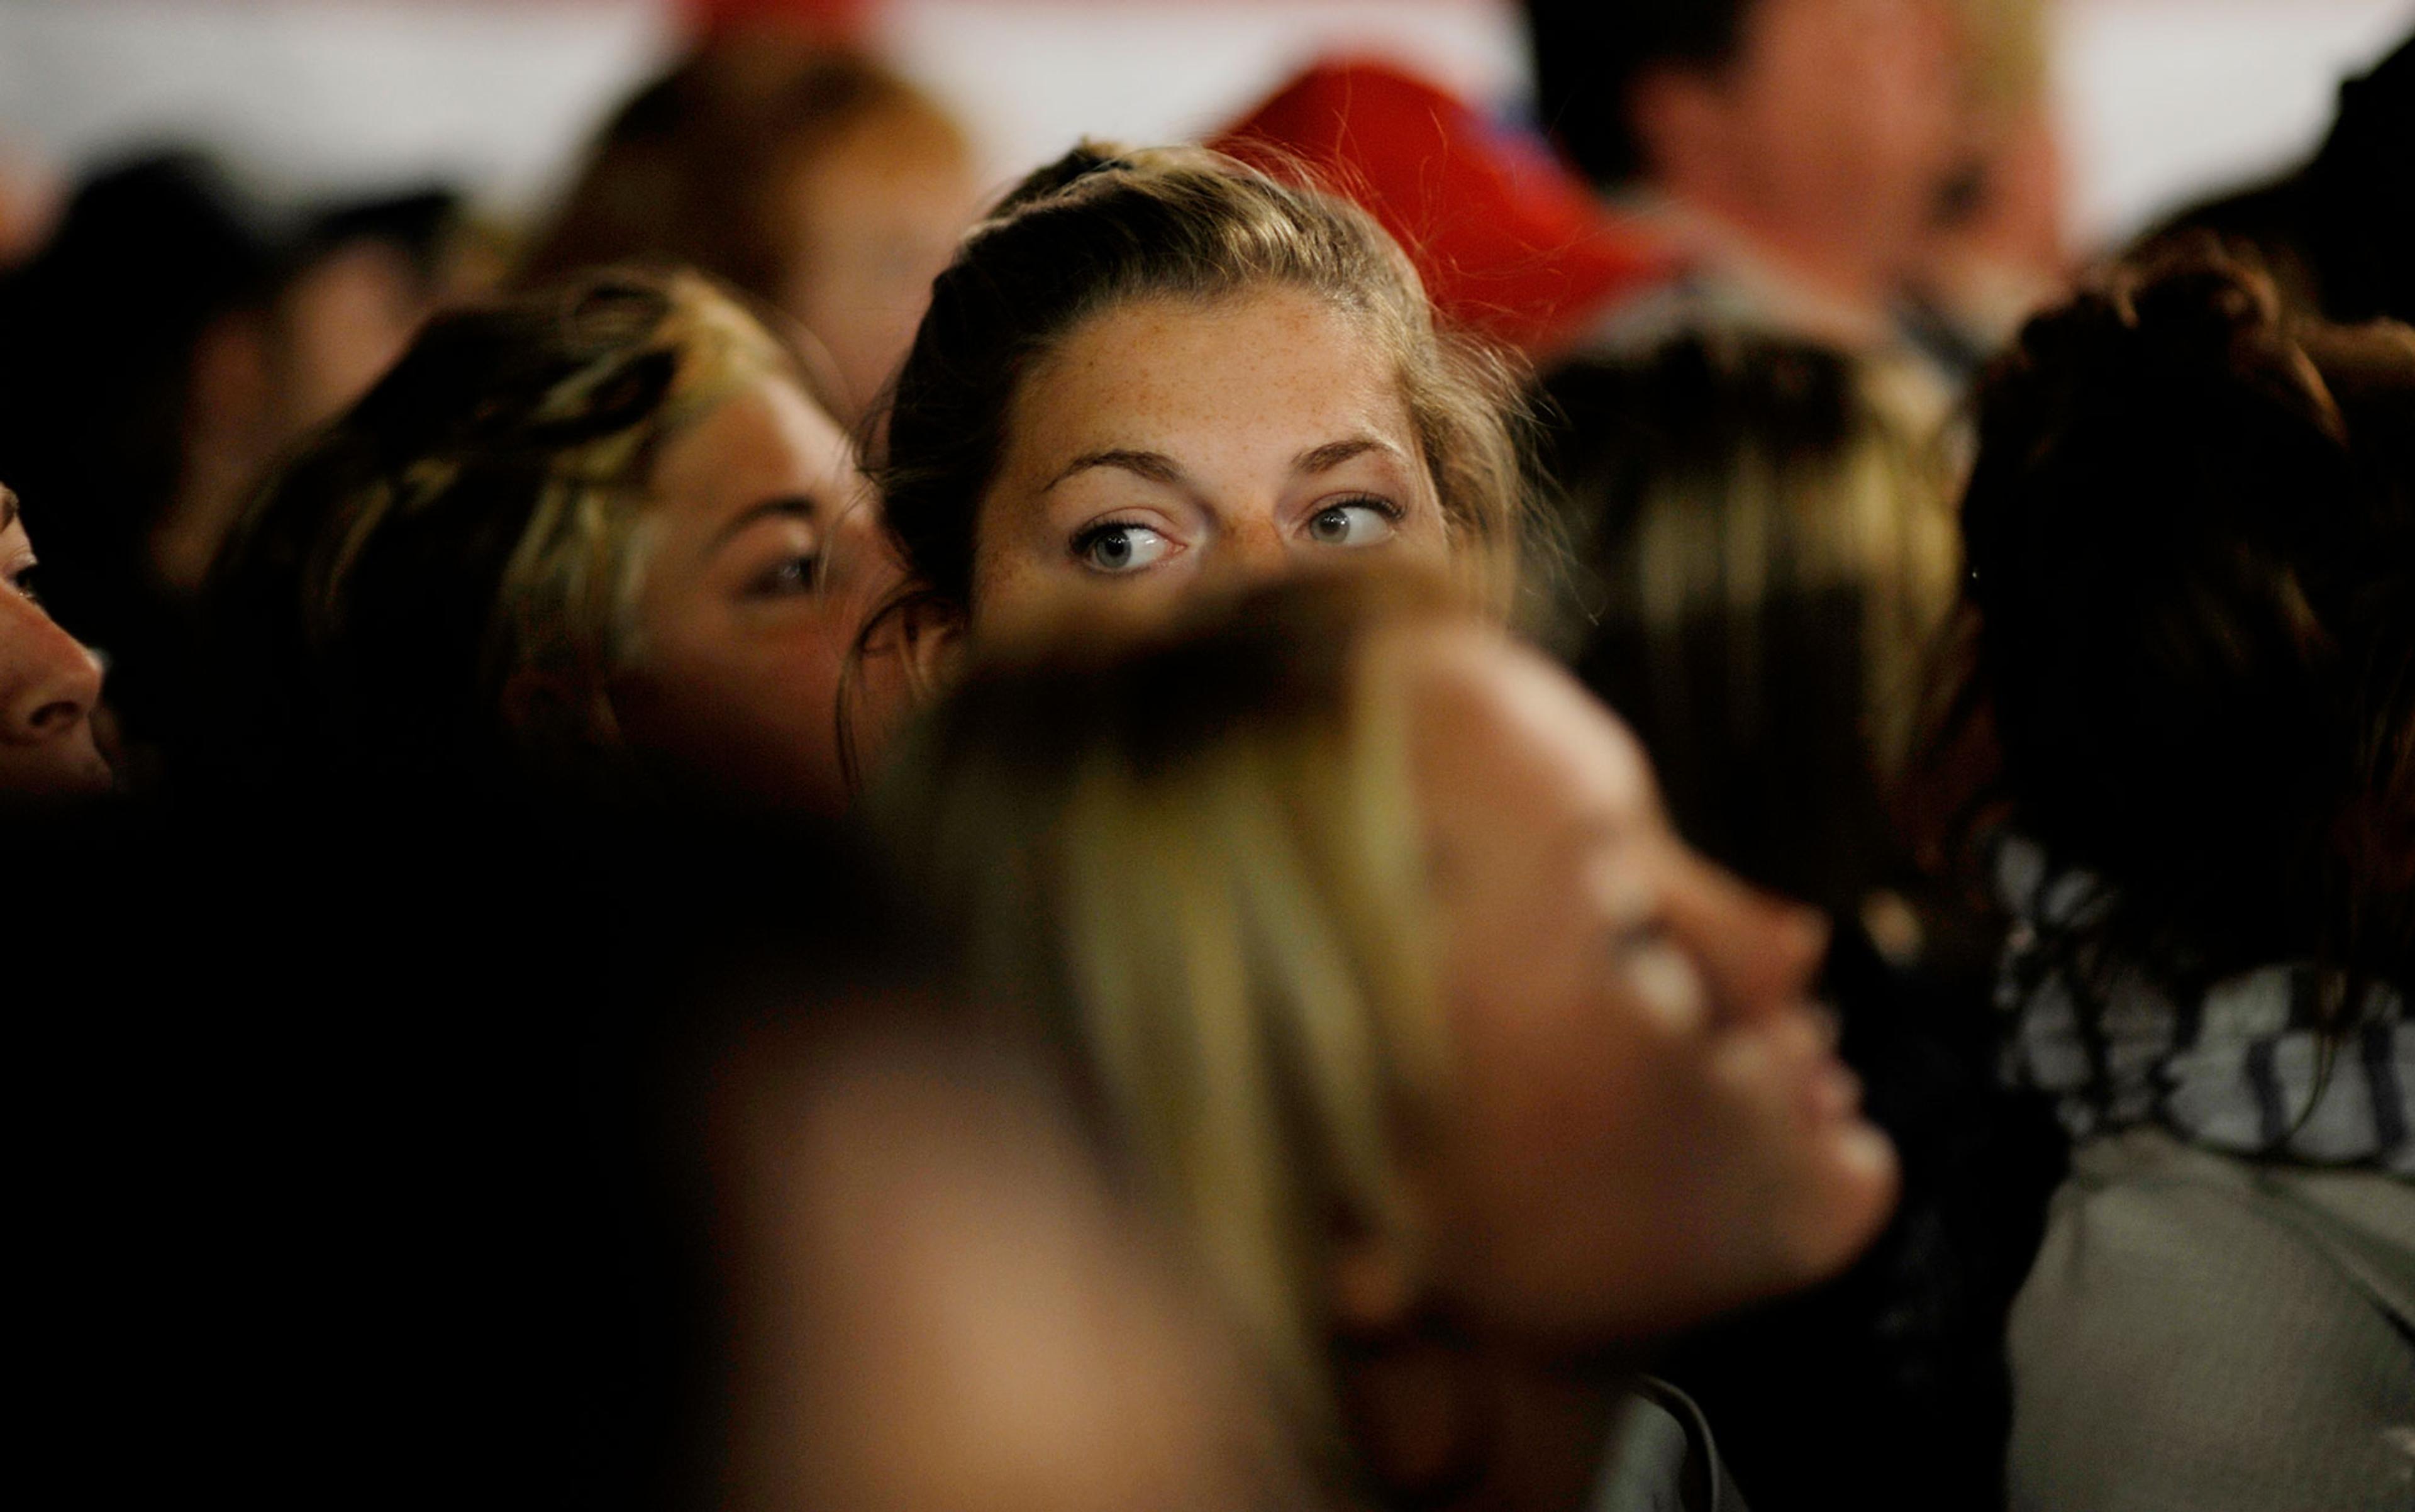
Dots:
pixel 1196 857
pixel 479 521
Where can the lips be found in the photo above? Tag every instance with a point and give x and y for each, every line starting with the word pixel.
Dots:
pixel 1831 1092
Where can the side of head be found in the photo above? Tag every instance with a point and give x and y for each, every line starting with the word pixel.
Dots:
pixel 810 177
pixel 48 684
pixel 1826 128
pixel 1103 232
pixel 2188 531
pixel 456 576
pixel 1589 59
pixel 1393 1040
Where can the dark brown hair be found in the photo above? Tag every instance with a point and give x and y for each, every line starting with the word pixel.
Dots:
pixel 1589 56
pixel 2191 536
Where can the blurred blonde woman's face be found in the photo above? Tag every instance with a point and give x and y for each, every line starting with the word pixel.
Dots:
pixel 1169 444
pixel 763 559
pixel 48 684
pixel 1647 1125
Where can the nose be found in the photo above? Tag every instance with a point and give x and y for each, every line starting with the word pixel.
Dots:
pixel 1251 552
pixel 48 684
pixel 1762 952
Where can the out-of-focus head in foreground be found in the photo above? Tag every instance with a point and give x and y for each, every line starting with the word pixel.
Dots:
pixel 1379 953
pixel 1150 369
pixel 48 684
pixel 597 537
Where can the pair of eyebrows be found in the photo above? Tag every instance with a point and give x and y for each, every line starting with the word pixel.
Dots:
pixel 1157 467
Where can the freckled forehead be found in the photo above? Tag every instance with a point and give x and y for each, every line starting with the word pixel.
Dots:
pixel 1277 363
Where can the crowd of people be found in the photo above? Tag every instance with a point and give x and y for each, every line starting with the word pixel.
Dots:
pixel 795 843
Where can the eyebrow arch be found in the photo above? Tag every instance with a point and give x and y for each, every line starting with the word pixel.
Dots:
pixel 1333 453
pixel 787 506
pixel 1155 466
pixel 7 506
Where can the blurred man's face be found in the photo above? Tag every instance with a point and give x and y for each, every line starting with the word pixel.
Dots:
pixel 1838 114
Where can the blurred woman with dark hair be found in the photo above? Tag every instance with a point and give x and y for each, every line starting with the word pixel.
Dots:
pixel 2190 534
pixel 594 539
pixel 813 178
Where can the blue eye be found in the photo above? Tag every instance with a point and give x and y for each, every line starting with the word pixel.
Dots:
pixel 1119 546
pixel 1355 522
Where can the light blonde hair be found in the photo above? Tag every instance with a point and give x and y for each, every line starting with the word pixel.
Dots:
pixel 1194 854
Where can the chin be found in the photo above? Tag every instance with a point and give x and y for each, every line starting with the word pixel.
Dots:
pixel 1849 1197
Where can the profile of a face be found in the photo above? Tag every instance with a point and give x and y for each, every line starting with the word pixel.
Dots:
pixel 1645 1125
pixel 48 684
pixel 1170 444
pixel 762 559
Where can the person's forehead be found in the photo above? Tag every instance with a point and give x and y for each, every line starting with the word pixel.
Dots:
pixel 765 422
pixel 1278 358
pixel 1496 720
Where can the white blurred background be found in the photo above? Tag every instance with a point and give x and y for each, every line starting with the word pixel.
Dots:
pixel 2159 100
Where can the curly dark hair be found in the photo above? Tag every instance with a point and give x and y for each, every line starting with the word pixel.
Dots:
pixel 2191 538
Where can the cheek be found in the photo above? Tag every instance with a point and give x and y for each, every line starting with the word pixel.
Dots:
pixel 750 706
pixel 1426 536
pixel 1789 1196
pixel 1004 561
pixel 1568 1162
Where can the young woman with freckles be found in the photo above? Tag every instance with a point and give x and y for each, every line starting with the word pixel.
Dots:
pixel 598 539
pixel 1463 1079
pixel 1153 370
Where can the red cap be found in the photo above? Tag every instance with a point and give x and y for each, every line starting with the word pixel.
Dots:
pixel 1508 242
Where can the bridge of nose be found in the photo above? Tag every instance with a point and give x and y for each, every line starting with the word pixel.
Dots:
pixel 1248 548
